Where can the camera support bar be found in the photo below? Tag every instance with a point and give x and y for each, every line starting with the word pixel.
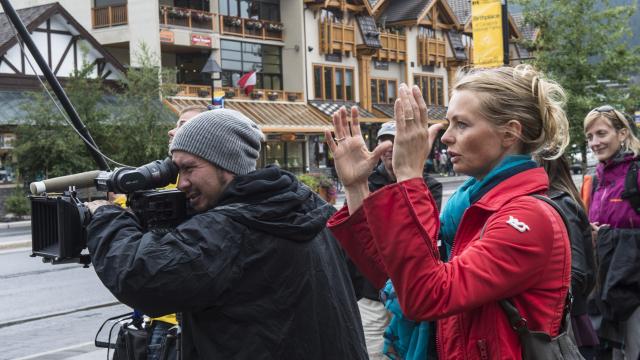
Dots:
pixel 55 85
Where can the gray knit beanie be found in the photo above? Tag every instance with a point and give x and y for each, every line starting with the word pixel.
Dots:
pixel 225 138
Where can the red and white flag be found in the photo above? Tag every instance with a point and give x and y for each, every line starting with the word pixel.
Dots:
pixel 247 82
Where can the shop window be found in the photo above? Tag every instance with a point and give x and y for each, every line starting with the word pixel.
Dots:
pixel 189 69
pixel 383 91
pixel 238 58
pixel 251 9
pixel 202 5
pixel 333 83
pixel 288 155
pixel 432 88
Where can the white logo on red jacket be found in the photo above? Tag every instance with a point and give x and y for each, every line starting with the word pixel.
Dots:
pixel 517 224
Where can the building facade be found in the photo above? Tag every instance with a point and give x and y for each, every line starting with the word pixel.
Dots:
pixel 310 56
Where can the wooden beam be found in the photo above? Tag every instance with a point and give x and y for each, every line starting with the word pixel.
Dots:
pixel 9 64
pixel 64 54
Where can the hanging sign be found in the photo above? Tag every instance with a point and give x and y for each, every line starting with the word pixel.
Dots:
pixel 488 43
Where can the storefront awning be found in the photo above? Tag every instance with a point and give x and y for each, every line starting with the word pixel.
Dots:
pixel 270 116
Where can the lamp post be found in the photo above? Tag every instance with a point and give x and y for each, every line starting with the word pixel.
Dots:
pixel 212 67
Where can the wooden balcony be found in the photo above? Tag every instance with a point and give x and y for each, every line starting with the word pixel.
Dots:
pixel 432 51
pixel 204 91
pixel 336 37
pixel 394 47
pixel 108 16
pixel 251 28
pixel 190 18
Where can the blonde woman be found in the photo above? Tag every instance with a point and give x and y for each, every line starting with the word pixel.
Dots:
pixel 616 227
pixel 502 242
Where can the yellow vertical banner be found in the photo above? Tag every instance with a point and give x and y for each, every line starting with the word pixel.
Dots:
pixel 488 45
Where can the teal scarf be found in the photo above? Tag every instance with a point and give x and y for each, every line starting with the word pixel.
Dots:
pixel 409 340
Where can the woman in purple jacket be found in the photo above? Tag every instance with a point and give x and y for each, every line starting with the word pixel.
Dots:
pixel 615 226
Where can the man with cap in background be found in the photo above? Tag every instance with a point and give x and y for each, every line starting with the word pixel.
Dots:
pixel 375 317
pixel 255 273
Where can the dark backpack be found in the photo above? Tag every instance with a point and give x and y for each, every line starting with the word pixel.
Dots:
pixel 631 192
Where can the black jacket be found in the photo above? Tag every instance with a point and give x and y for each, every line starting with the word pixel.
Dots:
pixel 378 179
pixel 618 292
pixel 583 265
pixel 257 277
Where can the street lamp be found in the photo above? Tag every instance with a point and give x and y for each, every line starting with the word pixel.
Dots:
pixel 212 67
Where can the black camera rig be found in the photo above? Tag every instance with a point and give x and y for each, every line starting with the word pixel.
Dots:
pixel 59 220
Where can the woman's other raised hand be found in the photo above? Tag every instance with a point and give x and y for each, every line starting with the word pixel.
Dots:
pixel 414 137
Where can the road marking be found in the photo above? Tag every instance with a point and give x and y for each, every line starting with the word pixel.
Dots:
pixel 34 356
pixel 46 316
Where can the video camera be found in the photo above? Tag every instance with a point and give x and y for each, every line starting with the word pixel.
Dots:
pixel 59 218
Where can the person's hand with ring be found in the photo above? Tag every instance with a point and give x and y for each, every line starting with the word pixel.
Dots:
pixel 414 137
pixel 352 159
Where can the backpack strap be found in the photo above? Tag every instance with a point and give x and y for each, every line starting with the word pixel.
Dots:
pixel 518 323
pixel 631 192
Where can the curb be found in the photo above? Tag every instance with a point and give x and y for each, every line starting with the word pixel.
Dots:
pixel 15 244
pixel 15 224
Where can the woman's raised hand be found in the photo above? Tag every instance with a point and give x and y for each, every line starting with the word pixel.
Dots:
pixel 353 161
pixel 413 139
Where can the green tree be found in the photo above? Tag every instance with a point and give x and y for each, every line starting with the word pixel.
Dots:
pixel 143 120
pixel 46 145
pixel 584 45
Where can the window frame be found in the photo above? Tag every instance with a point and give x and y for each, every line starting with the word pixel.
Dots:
pixel 420 79
pixel 375 97
pixel 343 70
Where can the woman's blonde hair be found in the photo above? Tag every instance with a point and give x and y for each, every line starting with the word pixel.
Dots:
pixel 618 121
pixel 523 94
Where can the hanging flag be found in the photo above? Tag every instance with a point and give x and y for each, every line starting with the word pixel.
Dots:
pixel 247 82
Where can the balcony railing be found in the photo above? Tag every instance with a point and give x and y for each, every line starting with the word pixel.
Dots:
pixel 204 91
pixel 394 47
pixel 194 19
pixel 109 16
pixel 432 51
pixel 336 37
pixel 251 28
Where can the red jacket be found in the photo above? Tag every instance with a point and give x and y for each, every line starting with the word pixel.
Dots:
pixel 508 246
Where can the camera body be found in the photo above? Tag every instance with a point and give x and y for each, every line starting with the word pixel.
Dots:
pixel 59 221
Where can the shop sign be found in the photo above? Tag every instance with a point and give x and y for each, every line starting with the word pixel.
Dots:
pixel 380 65
pixel 166 36
pixel 488 45
pixel 288 137
pixel 200 40
pixel 333 57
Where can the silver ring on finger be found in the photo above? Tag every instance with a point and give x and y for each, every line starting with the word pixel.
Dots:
pixel 340 139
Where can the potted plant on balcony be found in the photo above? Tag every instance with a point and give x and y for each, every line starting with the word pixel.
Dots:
pixel 275 27
pixel 233 21
pixel 292 97
pixel 178 13
pixel 229 94
pixel 253 24
pixel 256 95
pixel 272 95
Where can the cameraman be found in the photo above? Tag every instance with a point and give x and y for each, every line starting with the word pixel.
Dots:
pixel 255 273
